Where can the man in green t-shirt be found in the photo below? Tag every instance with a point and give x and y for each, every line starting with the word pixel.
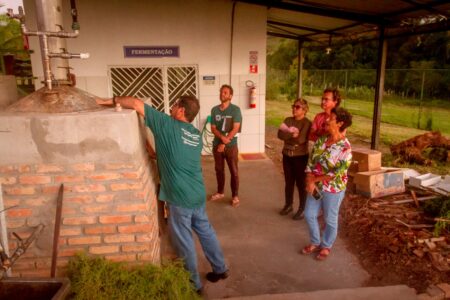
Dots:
pixel 178 150
pixel 226 120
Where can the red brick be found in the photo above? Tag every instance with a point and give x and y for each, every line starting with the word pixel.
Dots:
pixel 70 231
pixel 82 199
pixel 8 180
pixel 14 224
pixel 131 175
pixel 119 238
pixel 132 208
pixel 126 186
pixel 49 168
pixel 7 169
pixel 24 168
pixel 147 256
pixel 19 212
pixel 79 220
pixel 136 248
pixel 85 240
pixel 88 188
pixel 104 198
pixel 142 228
pixel 143 238
pixel 26 190
pixel 39 201
pixel 69 252
pixel 100 229
pixel 115 219
pixel 62 263
pixel 86 167
pixel 66 211
pixel 21 264
pixel 104 176
pixel 35 273
pixel 8 202
pixel 51 189
pixel 141 219
pixel 69 178
pixel 118 166
pixel 121 258
pixel 96 208
pixel 103 249
pixel 31 179
pixel 62 242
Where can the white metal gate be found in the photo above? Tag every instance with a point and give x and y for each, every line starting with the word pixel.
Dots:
pixel 159 86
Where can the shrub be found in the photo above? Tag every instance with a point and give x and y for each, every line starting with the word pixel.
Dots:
pixel 97 278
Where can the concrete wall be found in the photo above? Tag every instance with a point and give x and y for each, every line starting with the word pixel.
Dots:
pixel 202 30
pixel 8 88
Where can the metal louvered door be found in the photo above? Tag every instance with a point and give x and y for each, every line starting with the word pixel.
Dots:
pixel 160 86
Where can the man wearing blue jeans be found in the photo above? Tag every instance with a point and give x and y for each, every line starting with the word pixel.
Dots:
pixel 178 148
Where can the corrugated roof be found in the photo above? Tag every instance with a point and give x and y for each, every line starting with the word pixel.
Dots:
pixel 318 20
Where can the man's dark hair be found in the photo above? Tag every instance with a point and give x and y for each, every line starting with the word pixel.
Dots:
pixel 191 106
pixel 227 86
pixel 336 95
pixel 342 115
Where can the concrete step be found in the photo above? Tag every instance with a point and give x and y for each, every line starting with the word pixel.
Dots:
pixel 394 292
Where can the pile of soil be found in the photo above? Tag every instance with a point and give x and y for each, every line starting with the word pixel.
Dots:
pixel 385 248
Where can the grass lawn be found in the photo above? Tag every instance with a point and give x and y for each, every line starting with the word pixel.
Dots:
pixel 395 113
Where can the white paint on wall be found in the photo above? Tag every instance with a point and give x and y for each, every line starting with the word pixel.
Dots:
pixel 201 29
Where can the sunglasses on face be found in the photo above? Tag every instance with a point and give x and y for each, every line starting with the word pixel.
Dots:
pixel 296 106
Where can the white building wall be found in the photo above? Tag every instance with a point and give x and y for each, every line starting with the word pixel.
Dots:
pixel 201 29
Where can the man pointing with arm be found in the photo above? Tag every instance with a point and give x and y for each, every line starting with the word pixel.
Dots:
pixel 178 149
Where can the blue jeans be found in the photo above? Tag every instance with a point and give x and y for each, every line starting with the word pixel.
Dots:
pixel 330 204
pixel 181 223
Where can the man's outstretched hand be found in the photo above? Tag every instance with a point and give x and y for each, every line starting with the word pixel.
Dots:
pixel 104 101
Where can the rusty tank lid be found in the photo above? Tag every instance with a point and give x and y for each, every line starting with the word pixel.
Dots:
pixel 60 99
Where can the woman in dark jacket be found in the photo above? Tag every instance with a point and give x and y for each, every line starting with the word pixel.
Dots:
pixel 294 132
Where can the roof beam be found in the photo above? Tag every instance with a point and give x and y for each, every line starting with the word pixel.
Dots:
pixel 289 36
pixel 321 11
pixel 300 27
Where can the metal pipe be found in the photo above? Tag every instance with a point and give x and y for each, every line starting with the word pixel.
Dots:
pixel 231 41
pixel 66 55
pixel 46 62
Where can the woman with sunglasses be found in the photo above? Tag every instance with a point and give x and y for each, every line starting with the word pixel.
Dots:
pixel 294 132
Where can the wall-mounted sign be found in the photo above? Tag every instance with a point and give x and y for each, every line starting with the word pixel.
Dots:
pixel 151 51
pixel 209 80
pixel 253 61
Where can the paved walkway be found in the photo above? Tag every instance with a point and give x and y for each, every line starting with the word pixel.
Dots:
pixel 262 247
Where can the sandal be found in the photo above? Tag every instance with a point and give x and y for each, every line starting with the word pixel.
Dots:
pixel 216 196
pixel 235 201
pixel 310 249
pixel 323 254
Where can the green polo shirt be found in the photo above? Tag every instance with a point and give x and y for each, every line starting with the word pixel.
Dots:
pixel 224 121
pixel 178 149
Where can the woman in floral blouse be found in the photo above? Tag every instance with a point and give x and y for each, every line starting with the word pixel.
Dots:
pixel 326 181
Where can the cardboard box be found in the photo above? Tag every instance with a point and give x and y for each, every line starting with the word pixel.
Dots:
pixel 374 184
pixel 366 159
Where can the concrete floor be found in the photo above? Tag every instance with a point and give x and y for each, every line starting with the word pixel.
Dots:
pixel 262 248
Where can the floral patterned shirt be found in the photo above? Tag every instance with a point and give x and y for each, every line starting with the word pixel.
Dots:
pixel 331 160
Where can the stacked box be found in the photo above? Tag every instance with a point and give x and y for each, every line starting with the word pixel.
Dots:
pixel 374 184
pixel 365 160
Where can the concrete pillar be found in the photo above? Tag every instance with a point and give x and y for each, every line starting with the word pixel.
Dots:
pixel 9 93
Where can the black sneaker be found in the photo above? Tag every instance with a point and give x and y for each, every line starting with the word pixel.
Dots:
pixel 298 215
pixel 286 209
pixel 214 277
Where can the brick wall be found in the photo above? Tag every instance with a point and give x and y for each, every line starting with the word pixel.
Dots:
pixel 108 210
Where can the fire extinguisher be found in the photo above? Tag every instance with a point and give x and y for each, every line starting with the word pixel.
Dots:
pixel 251 93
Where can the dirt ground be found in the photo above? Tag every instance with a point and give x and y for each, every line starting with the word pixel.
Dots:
pixel 383 247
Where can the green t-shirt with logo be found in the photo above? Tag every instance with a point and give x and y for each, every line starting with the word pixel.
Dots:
pixel 224 121
pixel 178 148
